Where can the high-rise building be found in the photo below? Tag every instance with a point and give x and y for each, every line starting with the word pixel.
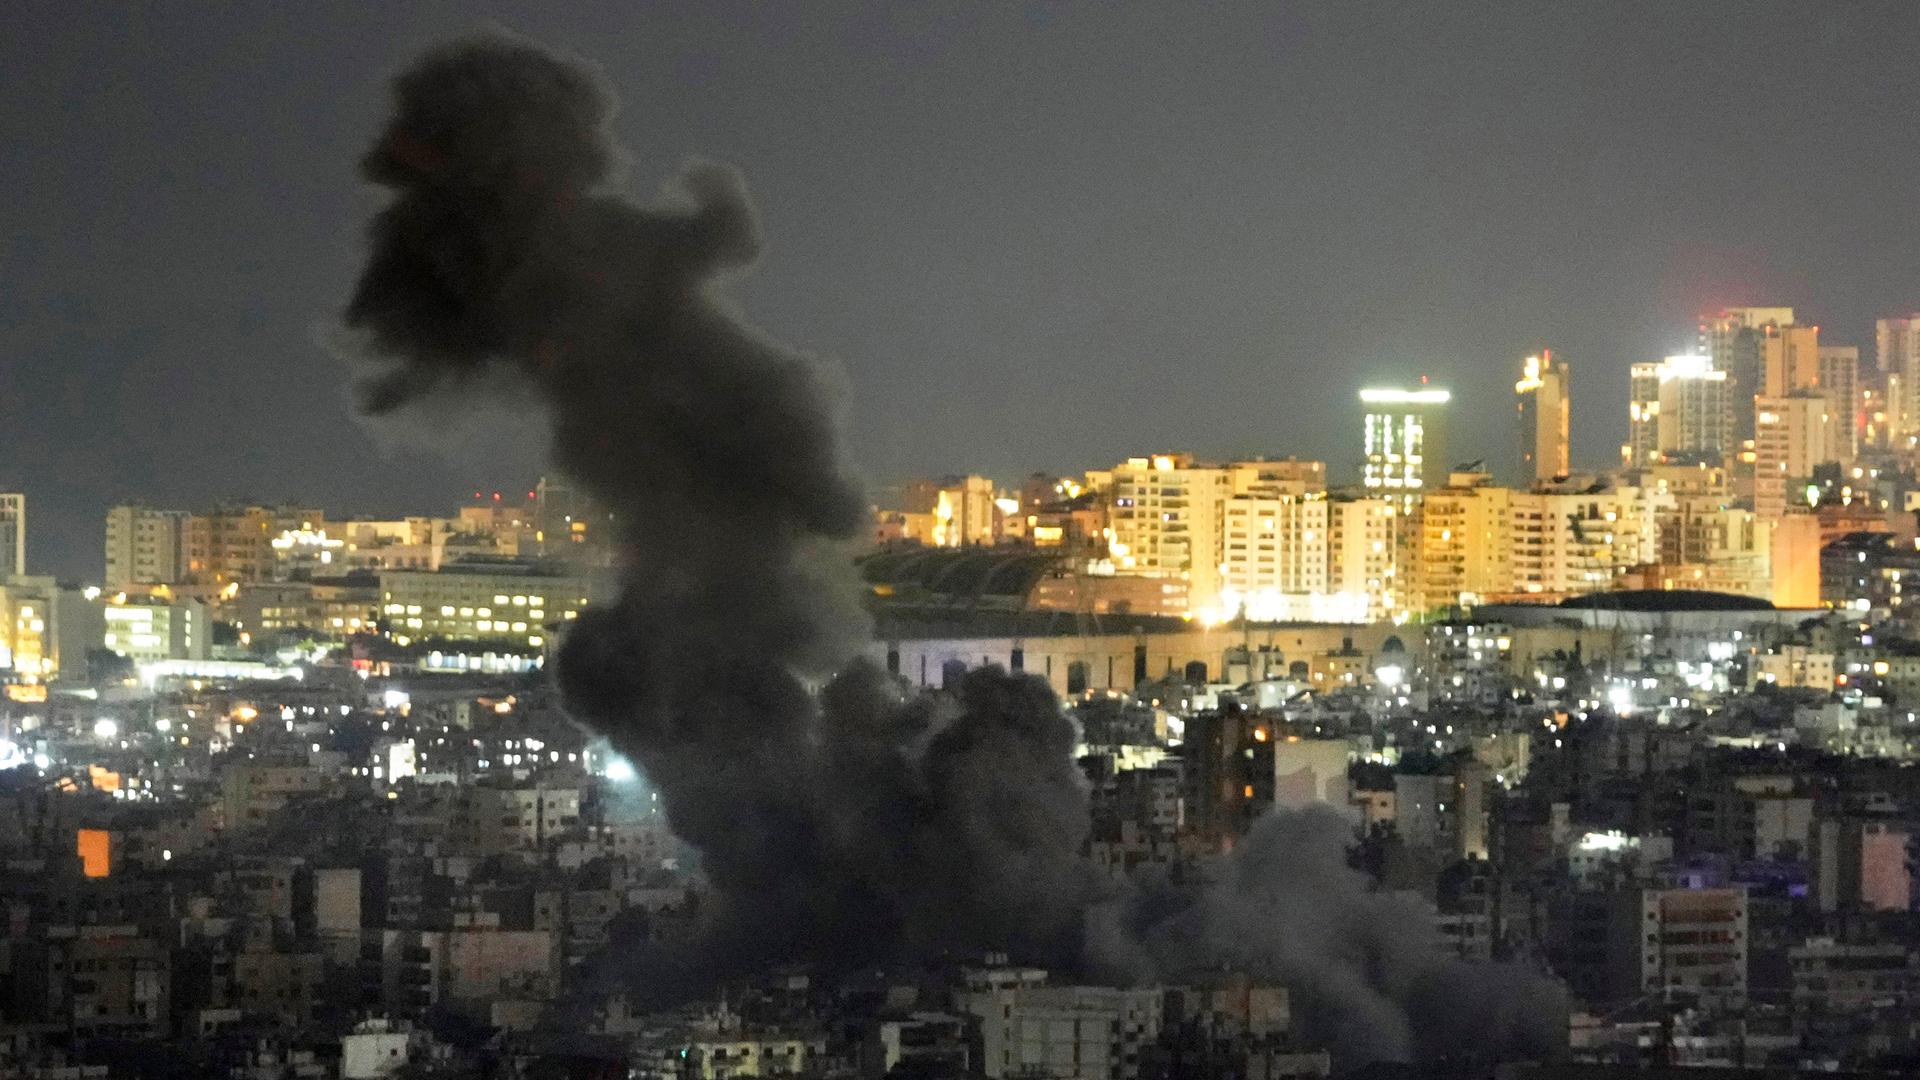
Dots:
pixel 1789 358
pixel 1680 942
pixel 1365 554
pixel 1466 541
pixel 1578 538
pixel 145 547
pixel 13 534
pixel 1679 413
pixel 1247 537
pixel 1404 440
pixel 1897 343
pixel 235 543
pixel 1273 557
pixel 1789 440
pixel 1734 341
pixel 1897 357
pixel 1545 409
pixel 1840 386
pixel 1165 513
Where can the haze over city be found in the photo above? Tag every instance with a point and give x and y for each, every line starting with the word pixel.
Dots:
pixel 1037 237
pixel 1061 542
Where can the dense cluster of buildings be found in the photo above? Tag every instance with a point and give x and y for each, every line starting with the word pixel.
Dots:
pixel 287 791
pixel 1745 459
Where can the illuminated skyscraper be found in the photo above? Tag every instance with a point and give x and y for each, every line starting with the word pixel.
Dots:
pixel 1545 448
pixel 1734 339
pixel 1405 440
pixel 1679 412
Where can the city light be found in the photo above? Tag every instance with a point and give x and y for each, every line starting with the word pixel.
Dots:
pixel 1385 396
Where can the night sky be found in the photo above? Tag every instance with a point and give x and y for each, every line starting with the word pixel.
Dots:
pixel 1039 238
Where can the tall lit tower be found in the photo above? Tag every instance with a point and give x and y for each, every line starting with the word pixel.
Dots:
pixel 1545 450
pixel 1735 341
pixel 1405 440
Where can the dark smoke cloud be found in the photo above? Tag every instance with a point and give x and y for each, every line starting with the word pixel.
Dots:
pixel 844 826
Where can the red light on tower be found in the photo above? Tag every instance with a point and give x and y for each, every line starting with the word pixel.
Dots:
pixel 496 496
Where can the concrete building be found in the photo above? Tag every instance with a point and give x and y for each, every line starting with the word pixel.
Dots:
pixel 1273 557
pixel 13 534
pixel 1837 978
pixel 1790 437
pixel 1579 537
pixel 1166 512
pixel 149 630
pixel 1790 359
pixel 509 601
pixel 1545 410
pixel 1860 864
pixel 1065 1032
pixel 931 654
pixel 1897 357
pixel 1679 412
pixel 1734 342
pixel 1466 542
pixel 46 628
pixel 1840 386
pixel 1671 943
pixel 145 547
pixel 1366 553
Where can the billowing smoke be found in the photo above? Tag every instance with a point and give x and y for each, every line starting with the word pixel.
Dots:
pixel 839 821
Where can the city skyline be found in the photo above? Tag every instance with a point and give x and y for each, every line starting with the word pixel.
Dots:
pixel 1071 541
pixel 1288 219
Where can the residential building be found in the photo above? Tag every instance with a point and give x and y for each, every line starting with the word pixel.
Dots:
pixel 1897 357
pixel 145 547
pixel 1679 413
pixel 1790 359
pixel 1466 549
pixel 1166 515
pixel 1365 554
pixel 1790 438
pixel 1068 1032
pixel 1733 340
pixel 1273 557
pixel 1840 386
pixel 1680 943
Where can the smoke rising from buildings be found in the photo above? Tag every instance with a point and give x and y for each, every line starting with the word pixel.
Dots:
pixel 851 825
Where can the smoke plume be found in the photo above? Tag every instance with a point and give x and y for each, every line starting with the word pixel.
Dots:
pixel 840 821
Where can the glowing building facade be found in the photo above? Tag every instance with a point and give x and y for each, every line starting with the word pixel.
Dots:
pixel 1404 440
pixel 1545 409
